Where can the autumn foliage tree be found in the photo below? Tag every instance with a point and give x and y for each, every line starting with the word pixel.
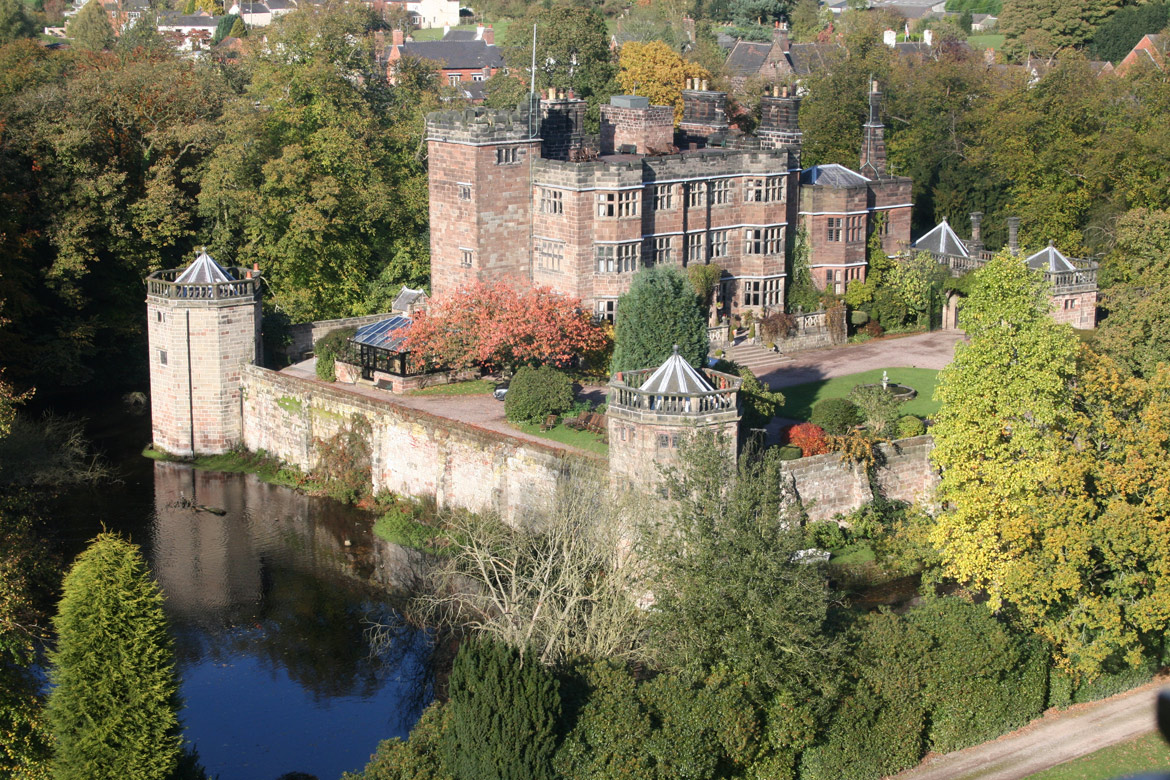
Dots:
pixel 492 325
pixel 657 71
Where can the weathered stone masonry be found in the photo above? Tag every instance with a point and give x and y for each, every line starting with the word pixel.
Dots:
pixel 414 453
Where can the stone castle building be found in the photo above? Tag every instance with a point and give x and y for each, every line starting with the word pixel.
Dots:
pixel 524 195
pixel 203 328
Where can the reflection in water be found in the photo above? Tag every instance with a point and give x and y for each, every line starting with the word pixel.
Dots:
pixel 268 606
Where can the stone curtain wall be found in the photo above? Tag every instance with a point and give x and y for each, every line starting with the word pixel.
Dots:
pixel 414 453
pixel 826 485
pixel 304 335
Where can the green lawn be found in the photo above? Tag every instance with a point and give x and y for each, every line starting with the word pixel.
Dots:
pixel 561 433
pixel 474 387
pixel 981 42
pixel 1143 754
pixel 853 554
pixel 799 399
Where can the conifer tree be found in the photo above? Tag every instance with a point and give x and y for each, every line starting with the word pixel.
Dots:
pixel 660 310
pixel 113 709
pixel 91 28
pixel 503 715
pixel 238 29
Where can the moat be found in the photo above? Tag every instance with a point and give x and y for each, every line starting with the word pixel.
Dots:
pixel 268 606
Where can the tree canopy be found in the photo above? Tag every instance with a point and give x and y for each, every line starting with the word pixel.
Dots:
pixel 91 28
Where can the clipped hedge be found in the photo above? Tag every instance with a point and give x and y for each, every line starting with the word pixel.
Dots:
pixel 835 415
pixel 535 393
pixel 790 452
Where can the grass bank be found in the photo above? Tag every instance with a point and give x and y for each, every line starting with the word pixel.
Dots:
pixel 799 399
pixel 1143 754
pixel 980 42
pixel 472 387
pixel 565 435
pixel 401 526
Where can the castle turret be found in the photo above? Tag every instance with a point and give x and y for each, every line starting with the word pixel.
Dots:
pixel 203 327
pixel 650 411
pixel 873 146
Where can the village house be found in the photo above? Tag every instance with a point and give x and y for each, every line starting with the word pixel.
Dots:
pixel 187 32
pixel 1151 50
pixel 465 57
pixel 428 14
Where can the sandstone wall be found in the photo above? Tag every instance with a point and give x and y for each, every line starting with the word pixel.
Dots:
pixel 414 453
pixel 827 486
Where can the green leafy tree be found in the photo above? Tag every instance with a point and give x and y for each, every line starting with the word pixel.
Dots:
pixel 572 52
pixel 1043 27
pixel 91 28
pixel 806 20
pixel 143 34
pixel 655 70
pixel 660 311
pixel 238 29
pixel 114 704
pixel 14 22
pixel 1007 393
pixel 918 281
pixel 318 180
pixel 503 715
pixel 749 12
pixel 1117 36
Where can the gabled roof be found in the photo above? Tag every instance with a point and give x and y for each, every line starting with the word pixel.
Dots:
pixel 203 271
pixel 406 298
pixel 806 58
pixel 385 334
pixel 832 175
pixel 456 54
pixel 459 35
pixel 676 376
pixel 1050 259
pixel 747 57
pixel 942 240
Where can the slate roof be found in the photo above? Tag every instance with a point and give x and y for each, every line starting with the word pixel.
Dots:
pixel 747 57
pixel 832 175
pixel 456 54
pixel 195 20
pixel 806 58
pixel 385 334
pixel 459 35
pixel 1049 259
pixel 942 240
pixel 280 5
pixel 676 376
pixel 203 271
pixel 406 298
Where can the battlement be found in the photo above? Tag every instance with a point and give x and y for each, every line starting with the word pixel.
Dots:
pixel 481 125
pixel 625 172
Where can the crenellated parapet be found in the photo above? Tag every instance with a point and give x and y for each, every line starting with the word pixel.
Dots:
pixel 483 126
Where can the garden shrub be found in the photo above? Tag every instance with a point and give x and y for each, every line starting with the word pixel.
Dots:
pixel 873 329
pixel 1114 681
pixel 858 318
pixel 344 461
pixel 835 415
pixel 535 393
pixel 909 426
pixel 878 407
pixel 826 535
pixel 790 452
pixel 330 347
pixel 888 309
pixel 810 438
pixel 777 327
pixel 419 757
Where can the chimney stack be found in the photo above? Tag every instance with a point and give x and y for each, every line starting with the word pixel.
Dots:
pixel 779 120
pixel 396 37
pixel 446 29
pixel 1013 235
pixel 928 36
pixel 976 231
pixel 873 148
pixel 780 36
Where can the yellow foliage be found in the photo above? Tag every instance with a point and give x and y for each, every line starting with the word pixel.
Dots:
pixel 657 71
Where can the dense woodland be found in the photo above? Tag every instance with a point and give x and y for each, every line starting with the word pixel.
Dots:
pixel 1044 575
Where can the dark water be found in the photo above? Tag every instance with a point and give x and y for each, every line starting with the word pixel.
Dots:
pixel 269 607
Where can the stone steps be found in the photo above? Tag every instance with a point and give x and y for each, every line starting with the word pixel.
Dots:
pixel 756 358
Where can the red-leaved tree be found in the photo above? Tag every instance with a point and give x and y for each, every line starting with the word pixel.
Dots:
pixel 810 438
pixel 493 325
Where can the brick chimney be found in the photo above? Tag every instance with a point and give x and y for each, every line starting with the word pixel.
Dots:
pixel 487 35
pixel 631 124
pixel 562 125
pixel 1013 235
pixel 779 119
pixel 976 242
pixel 396 37
pixel 704 113
pixel 780 36
pixel 873 145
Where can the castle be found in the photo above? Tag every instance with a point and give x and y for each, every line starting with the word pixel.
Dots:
pixel 523 194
